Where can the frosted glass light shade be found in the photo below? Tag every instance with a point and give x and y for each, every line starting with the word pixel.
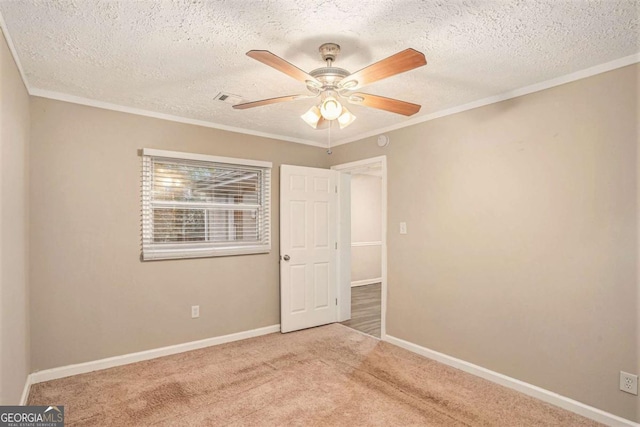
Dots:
pixel 312 117
pixel 330 108
pixel 346 118
pixel 317 120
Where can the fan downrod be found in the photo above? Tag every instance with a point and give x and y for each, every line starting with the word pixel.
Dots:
pixel 328 76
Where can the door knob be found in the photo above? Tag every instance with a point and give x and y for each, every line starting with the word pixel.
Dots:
pixel 286 257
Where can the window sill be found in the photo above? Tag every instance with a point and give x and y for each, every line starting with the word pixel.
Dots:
pixel 167 254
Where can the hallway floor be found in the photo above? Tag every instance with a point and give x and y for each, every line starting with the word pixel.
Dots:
pixel 366 309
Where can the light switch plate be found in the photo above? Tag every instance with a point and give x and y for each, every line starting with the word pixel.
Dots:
pixel 403 228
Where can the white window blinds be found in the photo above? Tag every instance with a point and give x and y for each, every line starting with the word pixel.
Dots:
pixel 199 206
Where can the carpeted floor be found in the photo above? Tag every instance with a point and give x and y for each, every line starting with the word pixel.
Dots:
pixel 329 375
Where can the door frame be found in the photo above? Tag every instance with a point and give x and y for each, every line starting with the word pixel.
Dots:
pixel 352 167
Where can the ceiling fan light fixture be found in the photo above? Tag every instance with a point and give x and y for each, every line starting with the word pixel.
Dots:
pixel 330 108
pixel 330 83
pixel 312 116
pixel 346 118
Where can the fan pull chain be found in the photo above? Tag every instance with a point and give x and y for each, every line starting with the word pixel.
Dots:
pixel 329 150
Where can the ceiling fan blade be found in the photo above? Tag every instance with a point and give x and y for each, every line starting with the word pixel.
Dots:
pixel 281 65
pixel 382 103
pixel 269 101
pixel 403 61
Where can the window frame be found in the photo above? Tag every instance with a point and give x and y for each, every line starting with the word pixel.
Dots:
pixel 185 250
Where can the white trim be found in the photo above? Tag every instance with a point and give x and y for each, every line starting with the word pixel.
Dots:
pixel 110 362
pixel 170 117
pixel 157 254
pixel 204 248
pixel 525 90
pixel 358 244
pixel 382 160
pixel 514 384
pixel 344 246
pixel 365 282
pixel 25 391
pixel 14 53
pixel 204 158
pixel 537 87
pixel 348 167
pixel 568 78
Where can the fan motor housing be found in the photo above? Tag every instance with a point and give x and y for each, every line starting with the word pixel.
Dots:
pixel 329 75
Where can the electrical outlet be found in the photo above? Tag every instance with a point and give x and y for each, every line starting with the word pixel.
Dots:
pixel 628 383
pixel 195 311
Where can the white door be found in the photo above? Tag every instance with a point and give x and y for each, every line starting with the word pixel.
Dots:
pixel 308 247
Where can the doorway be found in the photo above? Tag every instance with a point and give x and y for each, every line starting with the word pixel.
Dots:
pixel 368 245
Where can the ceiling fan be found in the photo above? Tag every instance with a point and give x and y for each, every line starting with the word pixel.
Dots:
pixel 333 84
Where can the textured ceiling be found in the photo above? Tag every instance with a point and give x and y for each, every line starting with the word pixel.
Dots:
pixel 174 57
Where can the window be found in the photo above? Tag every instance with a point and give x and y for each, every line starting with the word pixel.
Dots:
pixel 201 206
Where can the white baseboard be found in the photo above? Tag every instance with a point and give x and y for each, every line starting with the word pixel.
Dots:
pixel 512 383
pixel 521 386
pixel 360 244
pixel 366 282
pixel 96 365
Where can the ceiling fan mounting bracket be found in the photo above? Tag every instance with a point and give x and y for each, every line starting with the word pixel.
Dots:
pixel 329 51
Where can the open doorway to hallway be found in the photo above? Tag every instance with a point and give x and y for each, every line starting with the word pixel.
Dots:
pixel 366 309
pixel 368 245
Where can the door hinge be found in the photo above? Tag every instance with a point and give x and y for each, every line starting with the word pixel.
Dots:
pixel 336 301
pixel 336 189
pixel 336 245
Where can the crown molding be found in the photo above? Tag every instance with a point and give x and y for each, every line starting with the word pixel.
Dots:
pixel 147 113
pixel 537 87
pixel 14 53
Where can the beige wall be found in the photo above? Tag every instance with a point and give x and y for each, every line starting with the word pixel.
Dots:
pixel 91 296
pixel 522 253
pixel 14 145
pixel 638 250
pixel 366 227
pixel 522 246
pixel 366 264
